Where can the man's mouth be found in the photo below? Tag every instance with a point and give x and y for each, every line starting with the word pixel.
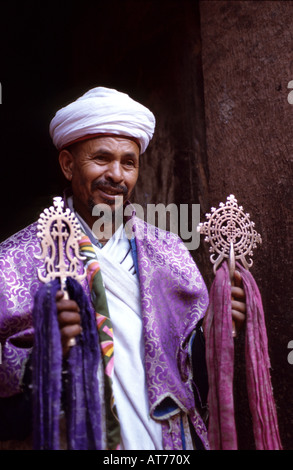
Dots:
pixel 109 191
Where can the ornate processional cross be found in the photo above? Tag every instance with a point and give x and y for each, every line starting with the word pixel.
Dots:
pixel 59 232
pixel 231 235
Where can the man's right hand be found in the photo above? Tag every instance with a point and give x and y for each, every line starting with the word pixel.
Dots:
pixel 69 320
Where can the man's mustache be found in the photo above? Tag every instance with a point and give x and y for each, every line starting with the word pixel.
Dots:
pixel 103 184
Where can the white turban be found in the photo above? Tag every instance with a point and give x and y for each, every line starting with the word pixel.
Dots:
pixel 102 111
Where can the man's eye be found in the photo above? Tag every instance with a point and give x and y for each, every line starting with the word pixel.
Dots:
pixel 101 158
pixel 130 163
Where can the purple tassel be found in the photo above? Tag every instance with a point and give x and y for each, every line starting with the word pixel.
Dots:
pixel 220 364
pixel 82 407
pixel 47 368
pixel 259 387
pixel 83 411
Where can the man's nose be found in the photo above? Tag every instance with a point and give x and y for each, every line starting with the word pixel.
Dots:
pixel 115 172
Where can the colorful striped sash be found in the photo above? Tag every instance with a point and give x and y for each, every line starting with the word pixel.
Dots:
pixel 105 330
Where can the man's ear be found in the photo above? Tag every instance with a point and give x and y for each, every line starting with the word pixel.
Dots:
pixel 66 161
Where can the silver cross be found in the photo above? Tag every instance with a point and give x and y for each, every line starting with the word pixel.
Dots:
pixel 59 232
pixel 231 235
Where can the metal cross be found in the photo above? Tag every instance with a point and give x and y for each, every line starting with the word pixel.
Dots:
pixel 231 234
pixel 59 232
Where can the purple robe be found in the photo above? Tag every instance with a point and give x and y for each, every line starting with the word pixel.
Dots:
pixel 173 298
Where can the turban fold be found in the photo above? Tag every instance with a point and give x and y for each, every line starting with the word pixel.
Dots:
pixel 102 111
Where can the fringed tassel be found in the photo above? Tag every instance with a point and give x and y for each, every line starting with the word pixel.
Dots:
pixel 220 364
pixel 47 368
pixel 83 404
pixel 82 407
pixel 259 387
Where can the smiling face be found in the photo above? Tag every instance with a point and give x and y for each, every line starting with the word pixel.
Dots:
pixel 102 170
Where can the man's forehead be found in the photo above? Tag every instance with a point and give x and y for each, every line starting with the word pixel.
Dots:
pixel 109 144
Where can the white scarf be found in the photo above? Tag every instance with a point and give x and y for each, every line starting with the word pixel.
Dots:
pixel 138 430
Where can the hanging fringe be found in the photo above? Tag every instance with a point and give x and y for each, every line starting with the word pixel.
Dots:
pixel 82 407
pixel 220 364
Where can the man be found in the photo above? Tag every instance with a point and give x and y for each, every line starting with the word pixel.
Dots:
pixel 155 295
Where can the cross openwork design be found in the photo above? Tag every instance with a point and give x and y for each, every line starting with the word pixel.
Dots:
pixel 228 229
pixel 59 232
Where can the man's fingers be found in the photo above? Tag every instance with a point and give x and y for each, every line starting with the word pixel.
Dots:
pixel 237 279
pixel 238 306
pixel 238 317
pixel 67 305
pixel 68 318
pixel 69 321
pixel 238 302
pixel 68 334
pixel 59 295
pixel 238 293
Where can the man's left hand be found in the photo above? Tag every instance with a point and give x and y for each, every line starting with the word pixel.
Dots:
pixel 238 302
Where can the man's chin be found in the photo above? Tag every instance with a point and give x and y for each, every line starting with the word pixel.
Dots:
pixel 114 203
pixel 106 207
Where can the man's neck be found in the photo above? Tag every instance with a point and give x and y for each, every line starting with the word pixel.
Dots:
pixel 96 225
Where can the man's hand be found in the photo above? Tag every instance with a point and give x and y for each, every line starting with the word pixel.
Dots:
pixel 69 320
pixel 238 302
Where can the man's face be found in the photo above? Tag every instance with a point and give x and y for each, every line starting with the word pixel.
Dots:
pixel 101 170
